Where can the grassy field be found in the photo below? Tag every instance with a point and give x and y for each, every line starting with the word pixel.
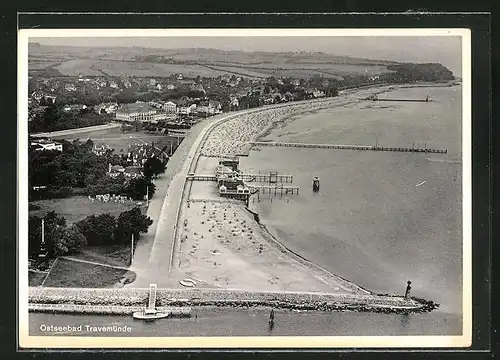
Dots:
pixel 115 255
pixel 68 273
pixel 35 278
pixel 119 141
pixel 76 208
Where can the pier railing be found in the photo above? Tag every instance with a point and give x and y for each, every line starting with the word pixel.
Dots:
pixel 274 189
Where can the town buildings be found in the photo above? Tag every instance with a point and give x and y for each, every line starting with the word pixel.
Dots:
pixel 108 108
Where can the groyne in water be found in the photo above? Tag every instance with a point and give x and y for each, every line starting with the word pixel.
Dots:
pixel 126 301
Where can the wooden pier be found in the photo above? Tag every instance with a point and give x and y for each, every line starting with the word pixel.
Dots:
pixel 202 177
pixel 402 100
pixel 263 178
pixel 352 147
pixel 268 178
pixel 274 190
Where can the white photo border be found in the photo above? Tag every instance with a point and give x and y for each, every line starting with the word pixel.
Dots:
pixel 73 342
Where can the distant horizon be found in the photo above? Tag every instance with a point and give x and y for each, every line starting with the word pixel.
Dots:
pixel 417 49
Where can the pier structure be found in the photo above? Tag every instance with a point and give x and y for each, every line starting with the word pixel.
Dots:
pixel 376 98
pixel 152 297
pixel 202 177
pixel 352 147
pixel 268 178
pixel 262 178
pixel 274 189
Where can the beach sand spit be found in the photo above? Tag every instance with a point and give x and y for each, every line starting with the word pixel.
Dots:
pixel 221 244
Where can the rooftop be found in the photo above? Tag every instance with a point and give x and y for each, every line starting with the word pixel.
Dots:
pixel 136 107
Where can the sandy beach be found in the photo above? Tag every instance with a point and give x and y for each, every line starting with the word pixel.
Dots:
pixel 220 243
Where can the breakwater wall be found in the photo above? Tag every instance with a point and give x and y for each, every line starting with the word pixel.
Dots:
pixel 99 300
pixel 351 147
pixel 103 309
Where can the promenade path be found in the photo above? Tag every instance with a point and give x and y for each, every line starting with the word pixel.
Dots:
pixel 153 253
pixel 76 131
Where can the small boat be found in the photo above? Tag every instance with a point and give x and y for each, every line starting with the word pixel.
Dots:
pixel 151 314
pixel 188 282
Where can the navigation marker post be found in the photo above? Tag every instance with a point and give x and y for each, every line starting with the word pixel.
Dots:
pixel 132 250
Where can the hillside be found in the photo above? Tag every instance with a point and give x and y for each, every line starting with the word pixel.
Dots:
pixel 149 62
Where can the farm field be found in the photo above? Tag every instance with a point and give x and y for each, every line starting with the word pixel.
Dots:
pixel 76 208
pixel 77 67
pixel 90 67
pixel 149 62
pixel 133 68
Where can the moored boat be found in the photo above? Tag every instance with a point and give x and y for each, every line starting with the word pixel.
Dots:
pixel 151 314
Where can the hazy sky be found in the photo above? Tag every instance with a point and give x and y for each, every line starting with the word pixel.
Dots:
pixel 442 49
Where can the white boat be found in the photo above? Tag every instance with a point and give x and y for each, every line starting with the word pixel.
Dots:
pixel 151 314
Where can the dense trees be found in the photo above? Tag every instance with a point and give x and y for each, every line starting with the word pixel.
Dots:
pixel 102 229
pixel 419 72
pixel 75 166
pixel 78 167
pixel 54 118
pixel 154 167
pixel 71 240
pixel 137 187
pixel 98 230
pixel 59 239
pixel 131 222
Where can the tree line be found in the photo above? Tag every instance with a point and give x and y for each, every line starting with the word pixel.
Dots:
pixel 104 229
pixel 54 118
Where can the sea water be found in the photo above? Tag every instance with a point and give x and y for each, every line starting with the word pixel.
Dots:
pixel 379 218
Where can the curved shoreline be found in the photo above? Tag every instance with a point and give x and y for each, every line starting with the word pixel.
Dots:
pixel 336 302
pixel 302 259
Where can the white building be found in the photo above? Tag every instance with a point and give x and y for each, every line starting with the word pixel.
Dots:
pixel 46 145
pixel 75 107
pixel 138 111
pixel 170 107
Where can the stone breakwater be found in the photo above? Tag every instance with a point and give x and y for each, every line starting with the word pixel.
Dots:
pixel 125 301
